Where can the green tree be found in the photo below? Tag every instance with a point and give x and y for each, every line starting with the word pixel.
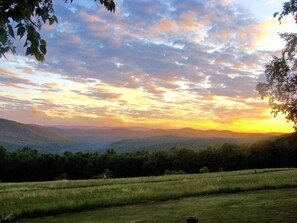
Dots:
pixel 204 169
pixel 232 157
pixel 281 73
pixel 3 163
pixel 19 18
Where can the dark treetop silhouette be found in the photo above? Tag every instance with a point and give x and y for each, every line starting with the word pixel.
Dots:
pixel 23 18
pixel 281 73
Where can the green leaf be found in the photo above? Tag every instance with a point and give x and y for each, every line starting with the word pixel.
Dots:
pixel 3 50
pixel 10 30
pixel 3 36
pixel 109 5
pixel 51 21
pixel 43 42
pixel 20 32
pixel 39 56
pixel 44 17
pixel 55 18
pixel 19 25
pixel 44 14
pixel 43 49
pixel 39 11
pixel 29 51
pixel 37 34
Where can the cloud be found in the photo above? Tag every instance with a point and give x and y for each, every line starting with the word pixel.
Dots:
pixel 151 62
pixel 98 93
pixel 50 87
pixel 10 78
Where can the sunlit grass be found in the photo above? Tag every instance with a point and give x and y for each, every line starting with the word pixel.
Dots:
pixel 19 200
pixel 273 206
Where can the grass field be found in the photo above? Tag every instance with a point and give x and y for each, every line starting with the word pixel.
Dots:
pixel 275 206
pixel 249 195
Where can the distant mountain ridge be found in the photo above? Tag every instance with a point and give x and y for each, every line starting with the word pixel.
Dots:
pixel 14 135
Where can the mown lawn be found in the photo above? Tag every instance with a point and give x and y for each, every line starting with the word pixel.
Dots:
pixel 30 200
pixel 273 206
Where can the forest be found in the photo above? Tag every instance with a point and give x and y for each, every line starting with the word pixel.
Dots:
pixel 30 165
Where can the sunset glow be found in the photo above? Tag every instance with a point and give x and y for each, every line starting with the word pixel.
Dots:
pixel 164 64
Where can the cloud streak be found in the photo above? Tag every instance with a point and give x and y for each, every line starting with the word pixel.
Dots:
pixel 152 63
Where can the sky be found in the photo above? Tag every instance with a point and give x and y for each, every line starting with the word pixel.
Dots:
pixel 154 64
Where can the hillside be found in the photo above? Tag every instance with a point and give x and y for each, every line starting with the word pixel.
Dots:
pixel 114 134
pixel 169 141
pixel 14 135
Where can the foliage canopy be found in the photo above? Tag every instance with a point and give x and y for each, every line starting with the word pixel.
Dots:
pixel 281 72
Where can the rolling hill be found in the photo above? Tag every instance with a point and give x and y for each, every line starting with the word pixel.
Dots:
pixel 14 135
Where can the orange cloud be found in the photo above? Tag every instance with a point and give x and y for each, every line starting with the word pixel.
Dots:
pixel 163 25
pixel 12 84
pixel 8 72
pixel 50 85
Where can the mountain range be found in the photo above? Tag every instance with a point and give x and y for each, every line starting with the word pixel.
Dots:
pixel 58 139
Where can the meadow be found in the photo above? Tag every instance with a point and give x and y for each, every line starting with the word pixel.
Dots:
pixel 251 195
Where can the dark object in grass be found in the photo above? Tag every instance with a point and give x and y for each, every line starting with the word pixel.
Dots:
pixel 192 220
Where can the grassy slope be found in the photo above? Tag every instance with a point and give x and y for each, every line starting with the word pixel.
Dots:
pixel 48 198
pixel 272 206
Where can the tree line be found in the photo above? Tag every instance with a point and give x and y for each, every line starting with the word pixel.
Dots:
pixel 30 165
